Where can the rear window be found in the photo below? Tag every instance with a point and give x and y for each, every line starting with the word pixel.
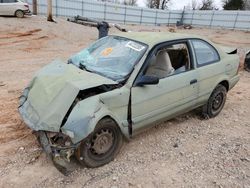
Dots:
pixel 205 53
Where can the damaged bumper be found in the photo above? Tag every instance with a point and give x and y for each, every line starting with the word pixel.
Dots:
pixel 59 153
pixel 27 12
pixel 57 145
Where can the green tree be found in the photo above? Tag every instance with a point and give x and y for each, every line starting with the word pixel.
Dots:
pixel 247 4
pixel 233 4
pixel 130 2
pixel 157 4
pixel 207 5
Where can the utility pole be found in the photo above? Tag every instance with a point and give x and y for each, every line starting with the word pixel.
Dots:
pixel 49 11
pixel 34 6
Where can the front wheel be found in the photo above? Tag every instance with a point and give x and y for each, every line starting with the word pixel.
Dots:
pixel 102 145
pixel 215 102
pixel 19 14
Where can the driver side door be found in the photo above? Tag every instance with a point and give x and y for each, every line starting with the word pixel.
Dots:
pixel 173 95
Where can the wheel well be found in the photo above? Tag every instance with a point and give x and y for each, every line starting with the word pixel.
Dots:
pixel 225 84
pixel 110 117
pixel 18 10
pixel 107 116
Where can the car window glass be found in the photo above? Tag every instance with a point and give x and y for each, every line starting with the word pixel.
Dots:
pixel 8 1
pixel 169 60
pixel 113 57
pixel 205 53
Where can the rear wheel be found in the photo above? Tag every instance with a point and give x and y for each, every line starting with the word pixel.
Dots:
pixel 215 102
pixel 19 14
pixel 102 145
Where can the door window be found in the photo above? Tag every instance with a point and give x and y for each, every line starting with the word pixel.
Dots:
pixel 205 53
pixel 169 60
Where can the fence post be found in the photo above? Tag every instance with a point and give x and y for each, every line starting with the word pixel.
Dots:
pixel 235 21
pixel 105 11
pixel 156 15
pixel 56 8
pixel 192 17
pixel 125 16
pixel 49 11
pixel 141 15
pixel 34 7
pixel 82 8
pixel 212 19
pixel 249 27
pixel 169 15
pixel 182 16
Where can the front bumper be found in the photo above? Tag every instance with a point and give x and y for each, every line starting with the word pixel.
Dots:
pixel 27 12
pixel 60 155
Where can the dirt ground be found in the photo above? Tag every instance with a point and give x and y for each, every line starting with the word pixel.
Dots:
pixel 183 152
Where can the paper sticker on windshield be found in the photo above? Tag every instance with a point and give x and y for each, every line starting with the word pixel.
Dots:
pixel 135 46
pixel 106 51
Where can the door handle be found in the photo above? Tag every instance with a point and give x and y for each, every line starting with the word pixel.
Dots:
pixel 193 81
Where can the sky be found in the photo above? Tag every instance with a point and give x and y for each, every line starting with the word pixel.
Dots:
pixel 179 4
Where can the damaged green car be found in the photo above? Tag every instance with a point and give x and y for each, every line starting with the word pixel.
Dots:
pixel 119 86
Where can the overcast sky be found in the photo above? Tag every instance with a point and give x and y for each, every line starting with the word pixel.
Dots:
pixel 179 4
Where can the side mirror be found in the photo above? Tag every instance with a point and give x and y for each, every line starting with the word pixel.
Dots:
pixel 147 80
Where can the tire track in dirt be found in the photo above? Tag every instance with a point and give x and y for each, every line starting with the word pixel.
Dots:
pixel 23 34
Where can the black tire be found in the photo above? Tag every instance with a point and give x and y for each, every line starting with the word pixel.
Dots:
pixel 19 14
pixel 215 102
pixel 89 153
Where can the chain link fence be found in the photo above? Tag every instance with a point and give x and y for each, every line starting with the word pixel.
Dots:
pixel 110 12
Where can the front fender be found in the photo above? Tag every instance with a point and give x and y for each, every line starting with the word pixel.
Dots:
pixel 84 117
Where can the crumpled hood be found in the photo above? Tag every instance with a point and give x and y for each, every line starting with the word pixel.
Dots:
pixel 52 91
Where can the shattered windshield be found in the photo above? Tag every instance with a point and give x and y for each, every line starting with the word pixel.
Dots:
pixel 113 57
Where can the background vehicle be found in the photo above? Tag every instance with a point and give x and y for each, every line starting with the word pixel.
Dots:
pixel 14 8
pixel 119 86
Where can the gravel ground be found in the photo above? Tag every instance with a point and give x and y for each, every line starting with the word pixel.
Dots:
pixel 183 152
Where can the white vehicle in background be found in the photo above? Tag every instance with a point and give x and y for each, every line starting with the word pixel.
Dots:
pixel 16 8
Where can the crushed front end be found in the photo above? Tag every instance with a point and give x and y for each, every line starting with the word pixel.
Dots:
pixel 47 107
pixel 59 148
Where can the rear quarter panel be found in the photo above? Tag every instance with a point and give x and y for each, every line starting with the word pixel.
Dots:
pixel 211 75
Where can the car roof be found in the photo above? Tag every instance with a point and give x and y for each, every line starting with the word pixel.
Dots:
pixel 152 38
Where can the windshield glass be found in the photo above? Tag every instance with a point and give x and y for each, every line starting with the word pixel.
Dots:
pixel 113 57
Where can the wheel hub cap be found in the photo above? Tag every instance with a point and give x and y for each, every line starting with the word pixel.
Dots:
pixel 217 101
pixel 102 142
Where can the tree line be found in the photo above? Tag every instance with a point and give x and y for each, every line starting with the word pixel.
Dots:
pixel 195 5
